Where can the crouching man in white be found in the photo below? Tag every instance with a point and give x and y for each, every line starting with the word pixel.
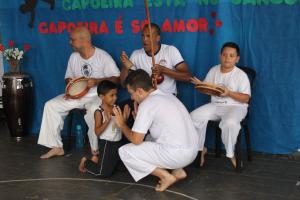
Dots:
pixel 174 138
pixel 230 107
pixel 92 63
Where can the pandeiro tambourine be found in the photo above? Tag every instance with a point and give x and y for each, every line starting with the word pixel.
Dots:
pixel 77 88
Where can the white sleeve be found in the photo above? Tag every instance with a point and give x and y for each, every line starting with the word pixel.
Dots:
pixel 244 84
pixel 209 76
pixel 110 67
pixel 175 56
pixel 143 119
pixel 69 71
pixel 133 58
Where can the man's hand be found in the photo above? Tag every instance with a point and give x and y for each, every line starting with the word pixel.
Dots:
pixel 91 82
pixel 66 96
pixel 119 116
pixel 195 80
pixel 125 60
pixel 68 80
pixel 126 112
pixel 157 69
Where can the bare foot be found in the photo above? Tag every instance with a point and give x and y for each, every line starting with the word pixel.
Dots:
pixel 56 151
pixel 202 158
pixel 233 161
pixel 95 158
pixel 179 174
pixel 81 165
pixel 167 180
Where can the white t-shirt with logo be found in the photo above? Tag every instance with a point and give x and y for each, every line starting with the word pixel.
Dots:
pixel 236 80
pixel 167 120
pixel 100 65
pixel 167 56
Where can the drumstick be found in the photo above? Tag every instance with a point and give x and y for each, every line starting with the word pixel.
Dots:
pixel 151 39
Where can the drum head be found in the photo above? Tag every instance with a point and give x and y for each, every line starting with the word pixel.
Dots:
pixel 77 88
pixel 209 89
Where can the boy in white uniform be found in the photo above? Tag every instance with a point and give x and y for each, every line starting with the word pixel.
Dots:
pixel 174 138
pixel 168 59
pixel 230 107
pixel 92 63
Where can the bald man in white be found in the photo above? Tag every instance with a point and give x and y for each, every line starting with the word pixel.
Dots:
pixel 92 63
pixel 174 138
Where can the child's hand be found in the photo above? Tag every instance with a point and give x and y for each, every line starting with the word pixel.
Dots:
pixel 126 112
pixel 225 93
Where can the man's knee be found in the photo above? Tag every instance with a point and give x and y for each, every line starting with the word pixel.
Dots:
pixel 50 104
pixel 194 115
pixel 201 115
pixel 123 152
pixel 230 124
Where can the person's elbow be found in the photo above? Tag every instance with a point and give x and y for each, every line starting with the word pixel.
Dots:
pixel 137 138
pixel 122 82
pixel 246 99
pixel 116 79
pixel 136 141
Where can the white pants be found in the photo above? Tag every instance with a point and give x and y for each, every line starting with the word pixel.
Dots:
pixel 141 160
pixel 55 111
pixel 230 117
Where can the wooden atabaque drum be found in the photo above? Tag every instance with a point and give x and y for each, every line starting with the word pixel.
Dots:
pixel 17 95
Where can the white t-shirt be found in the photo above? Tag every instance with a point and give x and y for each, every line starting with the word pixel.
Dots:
pixel 167 56
pixel 100 65
pixel 167 119
pixel 236 80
